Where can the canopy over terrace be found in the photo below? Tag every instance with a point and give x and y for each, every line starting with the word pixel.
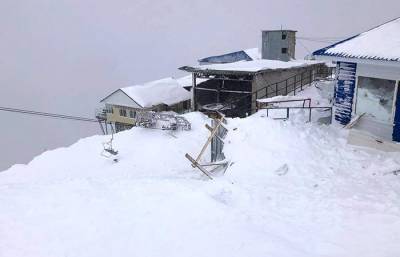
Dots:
pixel 247 67
pixel 236 80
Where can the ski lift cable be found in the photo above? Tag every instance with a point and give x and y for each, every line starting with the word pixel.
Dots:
pixel 47 114
pixel 322 38
pixel 309 52
pixel 319 40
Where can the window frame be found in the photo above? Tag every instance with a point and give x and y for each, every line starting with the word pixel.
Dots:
pixel 132 114
pixel 356 96
pixel 122 112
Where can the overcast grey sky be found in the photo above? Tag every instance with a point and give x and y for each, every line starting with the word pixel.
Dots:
pixel 63 56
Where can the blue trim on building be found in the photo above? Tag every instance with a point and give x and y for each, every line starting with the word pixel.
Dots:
pixel 396 127
pixel 323 51
pixel 344 91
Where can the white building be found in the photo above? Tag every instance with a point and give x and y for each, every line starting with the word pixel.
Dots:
pixel 165 94
pixel 368 69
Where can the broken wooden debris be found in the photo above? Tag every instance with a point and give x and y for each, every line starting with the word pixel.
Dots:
pixel 218 132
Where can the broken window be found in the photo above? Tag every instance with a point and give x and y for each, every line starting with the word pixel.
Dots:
pixel 375 98
pixel 283 36
pixel 284 50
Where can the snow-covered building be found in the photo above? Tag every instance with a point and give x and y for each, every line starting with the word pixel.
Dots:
pixel 368 75
pixel 251 54
pixel 161 95
pixel 247 80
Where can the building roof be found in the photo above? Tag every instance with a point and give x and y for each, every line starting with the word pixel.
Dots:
pixel 242 55
pixel 186 81
pixel 164 91
pixel 253 53
pixel 250 67
pixel 279 30
pixel 379 43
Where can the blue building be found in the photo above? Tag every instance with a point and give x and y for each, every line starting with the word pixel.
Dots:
pixel 368 75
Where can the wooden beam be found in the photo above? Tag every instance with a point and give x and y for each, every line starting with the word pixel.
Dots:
pixel 196 164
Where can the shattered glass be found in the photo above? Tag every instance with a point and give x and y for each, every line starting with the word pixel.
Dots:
pixel 375 98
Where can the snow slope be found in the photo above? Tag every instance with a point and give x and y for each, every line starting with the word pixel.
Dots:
pixel 293 189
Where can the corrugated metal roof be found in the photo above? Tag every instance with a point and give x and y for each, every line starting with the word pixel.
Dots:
pixel 379 43
pixel 227 58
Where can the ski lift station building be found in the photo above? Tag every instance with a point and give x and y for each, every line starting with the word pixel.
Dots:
pixel 242 80
pixel 122 105
pixel 243 73
pixel 368 75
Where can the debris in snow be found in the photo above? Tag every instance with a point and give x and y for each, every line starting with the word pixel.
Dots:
pixel 394 172
pixel 282 170
pixel 161 120
pixel 218 162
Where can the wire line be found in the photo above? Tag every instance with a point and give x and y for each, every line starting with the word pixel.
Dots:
pixel 47 114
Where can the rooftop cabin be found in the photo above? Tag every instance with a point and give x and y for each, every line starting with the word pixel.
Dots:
pixel 167 94
pixel 234 87
pixel 278 45
pixel 368 69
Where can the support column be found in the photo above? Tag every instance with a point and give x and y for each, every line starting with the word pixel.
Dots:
pixel 193 100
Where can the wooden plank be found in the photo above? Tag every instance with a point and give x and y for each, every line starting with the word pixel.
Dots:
pixel 196 164
pixel 354 121
pixel 215 130
pixel 211 128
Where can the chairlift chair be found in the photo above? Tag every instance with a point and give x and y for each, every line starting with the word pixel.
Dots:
pixel 108 150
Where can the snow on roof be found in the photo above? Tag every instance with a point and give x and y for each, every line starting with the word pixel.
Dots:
pixel 186 81
pixel 253 66
pixel 281 98
pixel 164 91
pixel 379 43
pixel 253 53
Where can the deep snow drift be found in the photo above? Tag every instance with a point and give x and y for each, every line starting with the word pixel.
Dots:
pixel 293 189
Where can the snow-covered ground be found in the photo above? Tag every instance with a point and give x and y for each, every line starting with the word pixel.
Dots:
pixel 293 189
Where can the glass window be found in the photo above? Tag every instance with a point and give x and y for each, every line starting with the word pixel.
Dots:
pixel 375 98
pixel 284 50
pixel 132 114
pixel 283 36
pixel 109 108
pixel 122 112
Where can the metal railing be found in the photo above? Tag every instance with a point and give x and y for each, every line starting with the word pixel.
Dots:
pixel 287 86
pixel 310 108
